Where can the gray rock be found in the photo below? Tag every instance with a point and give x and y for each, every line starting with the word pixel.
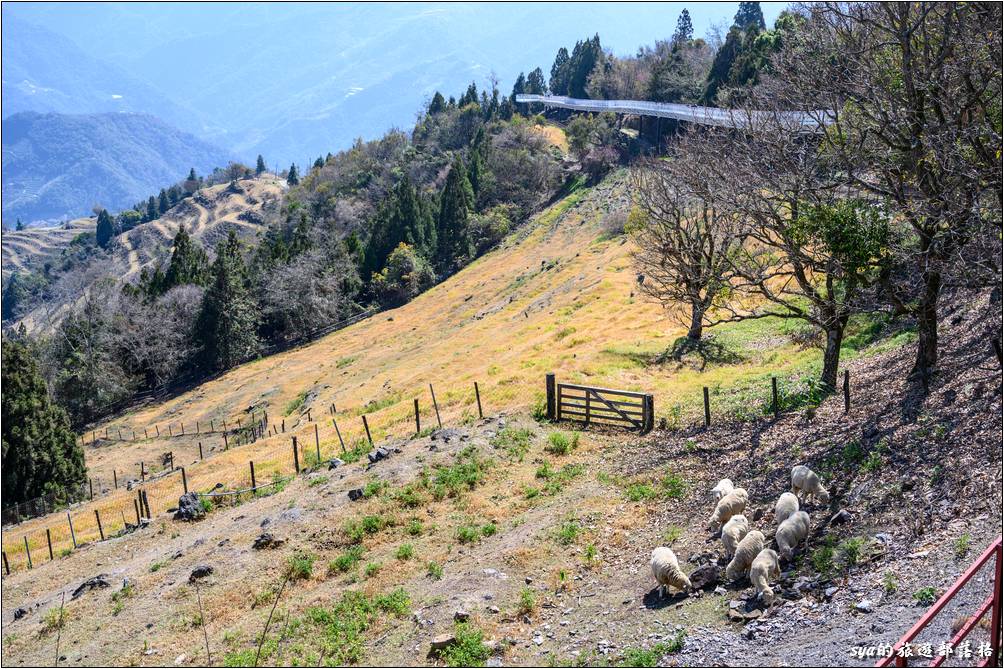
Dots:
pixel 705 576
pixel 841 517
pixel 356 494
pixel 829 592
pixel 20 612
pixel 189 507
pixel 461 616
pixel 440 643
pixel 865 606
pixel 334 463
pixel 99 581
pixel 200 572
pixel 378 455
pixel 266 540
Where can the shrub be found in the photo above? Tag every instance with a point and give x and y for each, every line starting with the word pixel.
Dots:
pixel 851 550
pixel 962 545
pixel 469 649
pixel 568 532
pixel 372 569
pixel 514 440
pixel 414 527
pixel 405 552
pixel 488 529
pixel 889 582
pixel 527 602
pixel 409 497
pixel 300 566
pixel 559 443
pixel 373 488
pixel 926 596
pixel 54 619
pixel 640 657
pixel 467 534
pixel 637 492
pixel 591 554
pixel 346 560
pixel 434 569
pixel 673 486
pixel 822 560
pixel 373 524
pixel 672 534
pixel 394 602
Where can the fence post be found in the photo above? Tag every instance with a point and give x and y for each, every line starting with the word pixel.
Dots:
pixel 142 471
pixel 106 432
pixel 27 550
pixel 73 536
pixel 135 505
pixel 200 450
pixel 170 430
pixel 296 456
pixel 48 540
pixel 171 456
pixel 650 412
pixel 198 427
pixel 339 433
pixel 436 405
pixel 146 502
pixel 182 428
pixel 773 390
pixel 707 408
pixel 226 442
pixel 418 421
pixel 253 484
pixel 120 434
pixel 309 419
pixel 317 444
pixel 367 426
pixel 6 564
pixel 477 396
pixel 847 390
pixel 549 384
pixel 146 435
pixel 184 480
pixel 101 530
pixel 90 486
pixel 157 427
pixel 212 425
pixel 115 479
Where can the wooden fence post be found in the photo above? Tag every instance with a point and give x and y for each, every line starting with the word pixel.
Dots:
pixel 170 430
pixel 27 550
pixel 226 442
pixel 317 444
pixel 549 384
pixel 48 540
pixel 101 530
pixel 477 396
pixel 296 456
pixel 120 433
pixel 90 486
pixel 6 564
pixel 106 432
pixel 200 450
pixel 135 505
pixel 142 471
pixel 707 408
pixel 649 403
pixel 115 479
pixel 198 427
pixel 284 426
pixel 418 421
pixel 73 536
pixel 224 425
pixel 158 429
pixel 170 455
pixel 309 419
pixel 367 426
pixel 436 405
pixel 182 428
pixel 146 435
pixel 146 502
pixel 847 391
pixel 339 433
pixel 773 389
pixel 253 484
pixel 184 480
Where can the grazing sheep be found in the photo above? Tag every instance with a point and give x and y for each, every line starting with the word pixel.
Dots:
pixel 763 570
pixel 728 506
pixel 723 488
pixel 746 551
pixel 733 532
pixel 805 481
pixel 786 505
pixel 667 572
pixel 791 533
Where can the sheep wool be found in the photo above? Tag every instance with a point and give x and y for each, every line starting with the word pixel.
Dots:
pixel 786 505
pixel 667 572
pixel 806 482
pixel 723 488
pixel 763 570
pixel 733 532
pixel 791 533
pixel 728 506
pixel 746 551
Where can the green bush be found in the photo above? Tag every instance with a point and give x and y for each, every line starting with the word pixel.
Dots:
pixel 434 569
pixel 467 534
pixel 637 492
pixel 514 440
pixel 926 596
pixel 372 569
pixel 527 602
pixel 488 529
pixel 469 649
pixel 568 532
pixel 300 566
pixel 414 527
pixel 346 560
pixel 405 552
pixel 559 443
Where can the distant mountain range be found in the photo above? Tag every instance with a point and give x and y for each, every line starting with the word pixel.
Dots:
pixel 60 165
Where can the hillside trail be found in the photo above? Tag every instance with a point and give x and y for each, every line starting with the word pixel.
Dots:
pixel 132 256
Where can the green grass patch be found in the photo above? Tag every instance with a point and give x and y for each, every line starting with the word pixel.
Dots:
pixel 341 629
pixel 561 443
pixel 515 441
pixel 346 560
pixel 405 552
pixel 642 657
pixel 568 532
pixel 295 403
pixel 469 649
pixel 300 566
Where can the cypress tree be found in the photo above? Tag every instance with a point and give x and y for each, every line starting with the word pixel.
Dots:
pixel 40 451
pixel 228 320
pixel 456 204
pixel 292 178
pixel 749 17
pixel 20 225
pixel 319 163
pixel 105 230
pixel 684 28
pixel 437 105
pixel 259 166
pixel 191 174
pixel 189 263
pixel 163 204
pixel 151 208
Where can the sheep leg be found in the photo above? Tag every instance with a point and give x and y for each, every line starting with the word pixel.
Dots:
pixel 662 591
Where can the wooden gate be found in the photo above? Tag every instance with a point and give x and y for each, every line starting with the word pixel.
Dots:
pixel 600 406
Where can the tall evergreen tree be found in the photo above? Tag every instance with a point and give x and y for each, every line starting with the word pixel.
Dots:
pixel 163 204
pixel 684 28
pixel 559 73
pixel 749 16
pixel 40 451
pixel 259 167
pixel 189 263
pixel 718 76
pixel 476 169
pixel 191 174
pixel 437 105
pixel 227 326
pixel 535 84
pixel 405 217
pixel 519 87
pixel 319 163
pixel 292 178
pixel 20 224
pixel 151 208
pixel 105 230
pixel 456 205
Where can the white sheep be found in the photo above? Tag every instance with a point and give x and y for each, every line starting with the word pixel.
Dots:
pixel 763 570
pixel 786 505
pixel 791 533
pixel 723 488
pixel 746 551
pixel 733 532
pixel 805 481
pixel 667 572
pixel 728 506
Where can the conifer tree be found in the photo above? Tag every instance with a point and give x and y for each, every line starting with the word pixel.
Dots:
pixel 189 263
pixel 163 204
pixel 259 167
pixel 40 451
pixel 684 28
pixel 191 174
pixel 519 87
pixel 20 224
pixel 227 326
pixel 319 163
pixel 456 204
pixel 105 230
pixel 151 208
pixel 437 105
pixel 749 17
pixel 292 178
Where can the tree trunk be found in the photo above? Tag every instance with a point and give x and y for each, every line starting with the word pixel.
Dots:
pixel 831 354
pixel 927 328
pixel 696 321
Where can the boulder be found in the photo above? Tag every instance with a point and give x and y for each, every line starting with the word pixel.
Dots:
pixel 189 507
pixel 334 463
pixel 20 612
pixel 841 517
pixel 440 643
pixel 200 572
pixel 378 455
pixel 356 494
pixel 705 576
pixel 266 540
pixel 99 581
pixel 461 616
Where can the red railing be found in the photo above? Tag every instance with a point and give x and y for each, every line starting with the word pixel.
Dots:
pixel 992 603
